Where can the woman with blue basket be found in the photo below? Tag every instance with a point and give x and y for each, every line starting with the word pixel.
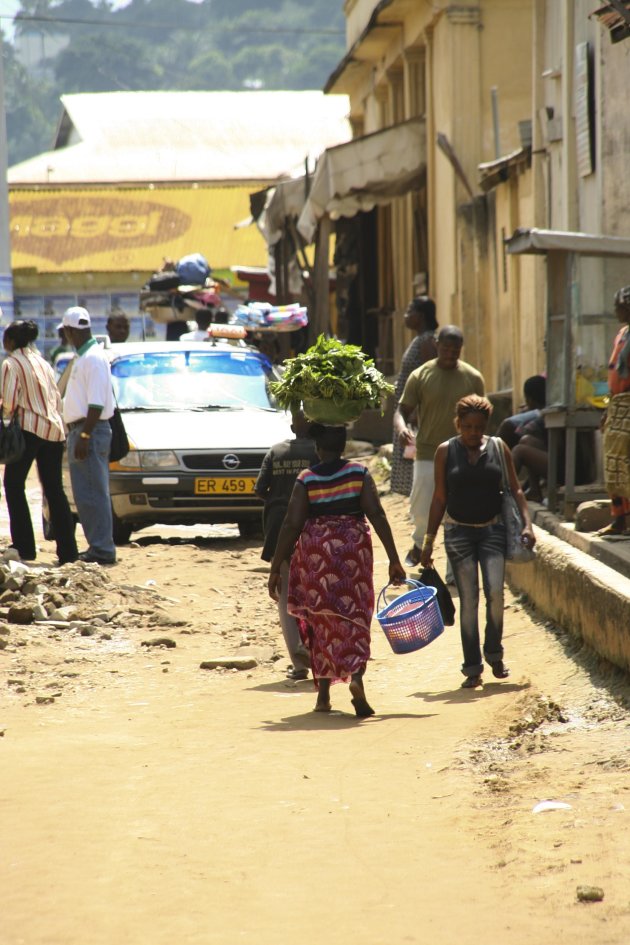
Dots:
pixel 468 495
pixel 331 591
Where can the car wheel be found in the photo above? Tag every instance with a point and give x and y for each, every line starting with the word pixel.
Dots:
pixel 121 531
pixel 250 529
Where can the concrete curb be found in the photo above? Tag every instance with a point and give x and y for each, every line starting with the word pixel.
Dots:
pixel 569 586
pixel 614 552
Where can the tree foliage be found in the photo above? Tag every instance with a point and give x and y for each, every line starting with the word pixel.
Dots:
pixel 161 45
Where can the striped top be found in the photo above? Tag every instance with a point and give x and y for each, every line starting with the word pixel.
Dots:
pixel 28 385
pixel 334 488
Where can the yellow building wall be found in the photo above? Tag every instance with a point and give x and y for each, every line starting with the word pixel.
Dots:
pixel 467 49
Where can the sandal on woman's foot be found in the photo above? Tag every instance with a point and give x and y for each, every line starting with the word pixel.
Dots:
pixel 471 682
pixel 362 707
pixel 499 669
pixel 412 558
pixel 611 531
pixel 322 707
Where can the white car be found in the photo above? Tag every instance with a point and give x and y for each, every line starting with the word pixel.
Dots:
pixel 200 419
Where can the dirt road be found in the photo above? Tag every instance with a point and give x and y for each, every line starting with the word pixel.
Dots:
pixel 145 800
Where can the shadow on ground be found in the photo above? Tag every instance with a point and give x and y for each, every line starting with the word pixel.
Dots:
pixel 333 721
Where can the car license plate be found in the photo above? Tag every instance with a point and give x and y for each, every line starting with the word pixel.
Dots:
pixel 225 485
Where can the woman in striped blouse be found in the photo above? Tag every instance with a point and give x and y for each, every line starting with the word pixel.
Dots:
pixel 331 591
pixel 28 387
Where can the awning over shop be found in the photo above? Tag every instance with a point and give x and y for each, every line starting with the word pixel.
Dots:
pixel 284 200
pixel 118 229
pixel 365 172
pixel 615 15
pixel 495 172
pixel 587 244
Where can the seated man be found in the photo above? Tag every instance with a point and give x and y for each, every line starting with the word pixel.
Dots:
pixel 512 428
pixel 204 319
pixel 530 454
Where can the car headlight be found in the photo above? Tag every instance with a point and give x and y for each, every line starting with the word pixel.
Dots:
pixel 158 459
pixel 149 459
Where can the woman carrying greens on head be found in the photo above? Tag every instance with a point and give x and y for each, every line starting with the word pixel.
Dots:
pixel 331 590
pixel 468 495
pixel 617 422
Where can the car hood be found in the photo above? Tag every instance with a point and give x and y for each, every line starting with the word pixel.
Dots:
pixel 206 430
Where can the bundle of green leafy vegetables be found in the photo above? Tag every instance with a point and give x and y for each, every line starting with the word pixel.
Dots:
pixel 331 370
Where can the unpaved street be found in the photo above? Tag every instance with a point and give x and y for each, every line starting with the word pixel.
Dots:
pixel 146 800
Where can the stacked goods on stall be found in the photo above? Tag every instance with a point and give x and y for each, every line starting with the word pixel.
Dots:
pixel 179 290
pixel 262 316
pixel 333 382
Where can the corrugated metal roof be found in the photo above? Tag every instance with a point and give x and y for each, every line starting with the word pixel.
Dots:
pixel 106 229
pixel 187 136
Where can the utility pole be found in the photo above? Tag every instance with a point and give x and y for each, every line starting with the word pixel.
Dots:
pixel 6 276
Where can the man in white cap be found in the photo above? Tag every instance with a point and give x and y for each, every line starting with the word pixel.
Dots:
pixel 87 406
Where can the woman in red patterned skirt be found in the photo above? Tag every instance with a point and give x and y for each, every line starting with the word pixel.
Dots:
pixel 331 590
pixel 617 424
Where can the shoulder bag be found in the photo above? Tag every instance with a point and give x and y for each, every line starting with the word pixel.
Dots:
pixel 12 443
pixel 516 551
pixel 119 446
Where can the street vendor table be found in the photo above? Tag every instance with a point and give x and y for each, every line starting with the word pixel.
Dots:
pixel 568 421
pixel 583 271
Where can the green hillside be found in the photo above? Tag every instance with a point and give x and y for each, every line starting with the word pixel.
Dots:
pixel 161 44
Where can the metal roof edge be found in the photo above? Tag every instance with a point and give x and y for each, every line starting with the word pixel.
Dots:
pixel 538 241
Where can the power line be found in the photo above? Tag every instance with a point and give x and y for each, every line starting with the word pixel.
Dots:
pixel 170 27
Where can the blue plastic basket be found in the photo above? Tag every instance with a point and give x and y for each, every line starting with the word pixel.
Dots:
pixel 412 620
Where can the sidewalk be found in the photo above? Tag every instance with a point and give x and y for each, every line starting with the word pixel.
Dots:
pixel 613 552
pixel 580 582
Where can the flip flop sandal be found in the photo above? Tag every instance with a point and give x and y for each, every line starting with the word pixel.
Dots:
pixel 322 707
pixel 362 707
pixel 611 532
pixel 412 557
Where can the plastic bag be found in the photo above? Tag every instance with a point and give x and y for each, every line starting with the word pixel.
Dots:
pixel 431 578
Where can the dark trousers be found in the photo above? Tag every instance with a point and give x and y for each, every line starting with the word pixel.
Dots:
pixel 48 457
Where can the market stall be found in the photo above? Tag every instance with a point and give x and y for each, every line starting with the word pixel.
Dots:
pixel 583 272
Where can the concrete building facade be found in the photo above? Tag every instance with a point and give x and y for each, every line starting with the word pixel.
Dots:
pixel 464 69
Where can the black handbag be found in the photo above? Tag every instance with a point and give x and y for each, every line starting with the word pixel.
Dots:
pixel 12 442
pixel 119 446
pixel 431 578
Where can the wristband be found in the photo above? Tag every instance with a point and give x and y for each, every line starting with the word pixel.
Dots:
pixel 428 541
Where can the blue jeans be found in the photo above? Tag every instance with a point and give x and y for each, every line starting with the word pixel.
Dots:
pixel 90 487
pixel 470 549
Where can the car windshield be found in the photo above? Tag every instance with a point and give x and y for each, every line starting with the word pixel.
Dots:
pixel 174 380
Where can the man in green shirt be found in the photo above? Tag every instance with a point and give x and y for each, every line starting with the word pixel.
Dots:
pixel 432 391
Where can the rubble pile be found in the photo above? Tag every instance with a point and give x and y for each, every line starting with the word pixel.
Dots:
pixel 41 607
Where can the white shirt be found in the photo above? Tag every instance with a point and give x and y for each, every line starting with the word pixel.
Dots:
pixel 198 335
pixel 89 385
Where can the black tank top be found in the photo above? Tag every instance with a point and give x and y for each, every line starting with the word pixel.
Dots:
pixel 473 491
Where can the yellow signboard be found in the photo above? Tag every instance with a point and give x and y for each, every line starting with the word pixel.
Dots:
pixel 131 229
